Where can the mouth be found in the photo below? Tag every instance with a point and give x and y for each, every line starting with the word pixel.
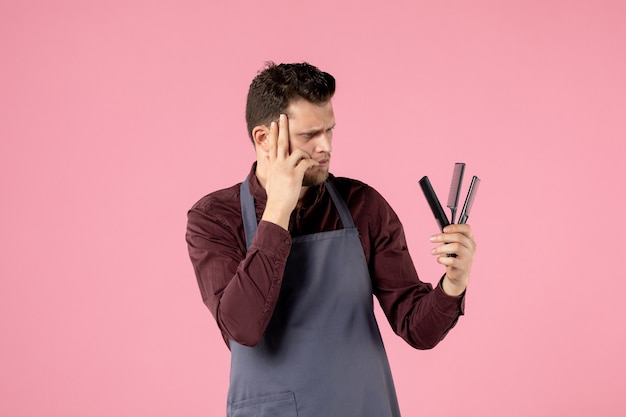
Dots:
pixel 324 161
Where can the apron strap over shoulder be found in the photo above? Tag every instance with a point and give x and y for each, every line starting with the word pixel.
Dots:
pixel 344 213
pixel 248 213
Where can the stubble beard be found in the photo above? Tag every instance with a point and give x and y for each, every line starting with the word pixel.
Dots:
pixel 314 178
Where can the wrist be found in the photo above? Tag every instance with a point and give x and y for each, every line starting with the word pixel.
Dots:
pixel 277 215
pixel 452 288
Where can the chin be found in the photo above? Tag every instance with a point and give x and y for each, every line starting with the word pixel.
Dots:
pixel 314 179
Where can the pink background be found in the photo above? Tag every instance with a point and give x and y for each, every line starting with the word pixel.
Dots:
pixel 116 116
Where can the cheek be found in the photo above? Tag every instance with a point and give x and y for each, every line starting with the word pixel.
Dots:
pixel 307 148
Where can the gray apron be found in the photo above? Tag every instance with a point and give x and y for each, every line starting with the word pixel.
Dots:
pixel 322 354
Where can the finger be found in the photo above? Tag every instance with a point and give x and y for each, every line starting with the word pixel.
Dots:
pixel 456 237
pixel 459 266
pixel 447 261
pixel 464 229
pixel 297 155
pixel 450 249
pixel 464 242
pixel 305 164
pixel 283 137
pixel 272 138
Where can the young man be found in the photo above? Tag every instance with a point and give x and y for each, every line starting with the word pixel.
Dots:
pixel 288 260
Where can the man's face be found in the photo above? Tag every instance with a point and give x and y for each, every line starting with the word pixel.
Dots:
pixel 311 130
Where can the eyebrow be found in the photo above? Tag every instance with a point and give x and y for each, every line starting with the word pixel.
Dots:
pixel 314 132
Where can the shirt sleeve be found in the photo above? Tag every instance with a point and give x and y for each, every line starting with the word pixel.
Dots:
pixel 239 287
pixel 420 314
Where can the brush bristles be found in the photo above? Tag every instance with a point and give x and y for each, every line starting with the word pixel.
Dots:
pixel 455 185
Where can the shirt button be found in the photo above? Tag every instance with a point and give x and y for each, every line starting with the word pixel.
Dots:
pixel 286 241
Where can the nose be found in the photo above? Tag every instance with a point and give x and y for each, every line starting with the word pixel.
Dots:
pixel 324 143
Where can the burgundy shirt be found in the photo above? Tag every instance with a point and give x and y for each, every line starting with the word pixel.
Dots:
pixel 241 287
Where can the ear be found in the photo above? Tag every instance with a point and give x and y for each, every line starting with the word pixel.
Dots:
pixel 260 136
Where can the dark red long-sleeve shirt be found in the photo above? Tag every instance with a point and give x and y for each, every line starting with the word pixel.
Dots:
pixel 241 287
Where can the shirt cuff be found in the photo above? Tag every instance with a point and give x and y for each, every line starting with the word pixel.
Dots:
pixel 449 303
pixel 271 238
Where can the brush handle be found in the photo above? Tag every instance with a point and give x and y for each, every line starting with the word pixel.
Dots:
pixel 469 200
pixel 433 202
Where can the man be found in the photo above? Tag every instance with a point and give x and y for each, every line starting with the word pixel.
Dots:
pixel 288 260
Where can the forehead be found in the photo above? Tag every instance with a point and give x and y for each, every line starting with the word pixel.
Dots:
pixel 304 114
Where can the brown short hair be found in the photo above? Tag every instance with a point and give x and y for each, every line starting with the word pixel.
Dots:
pixel 275 86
